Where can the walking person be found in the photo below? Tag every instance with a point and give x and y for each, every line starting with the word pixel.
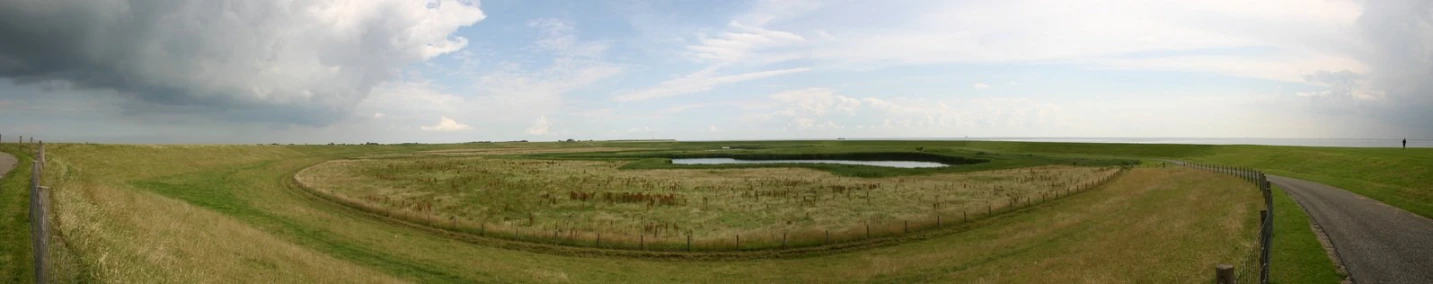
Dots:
pixel 1405 143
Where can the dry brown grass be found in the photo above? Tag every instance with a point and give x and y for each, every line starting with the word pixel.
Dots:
pixel 1149 226
pixel 574 201
pixel 124 235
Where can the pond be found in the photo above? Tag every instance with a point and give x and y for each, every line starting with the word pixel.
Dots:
pixel 892 164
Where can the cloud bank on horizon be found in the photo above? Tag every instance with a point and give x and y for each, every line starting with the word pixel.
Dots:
pixel 451 71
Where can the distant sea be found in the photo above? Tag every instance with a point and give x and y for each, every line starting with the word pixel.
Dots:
pixel 1311 142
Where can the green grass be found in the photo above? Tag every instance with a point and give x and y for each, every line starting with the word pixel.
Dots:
pixel 1402 178
pixel 1297 256
pixel 16 253
pixel 189 213
pixel 138 213
pixel 583 198
pixel 1399 177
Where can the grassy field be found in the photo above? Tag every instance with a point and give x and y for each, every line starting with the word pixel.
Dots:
pixel 16 254
pixel 1399 177
pixel 578 199
pixel 1402 178
pixel 195 213
pixel 1296 249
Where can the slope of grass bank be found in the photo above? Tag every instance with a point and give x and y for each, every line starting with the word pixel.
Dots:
pixel 1297 256
pixel 188 213
pixel 16 253
pixel 1402 178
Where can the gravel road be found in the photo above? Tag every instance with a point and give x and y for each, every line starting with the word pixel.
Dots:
pixel 1376 242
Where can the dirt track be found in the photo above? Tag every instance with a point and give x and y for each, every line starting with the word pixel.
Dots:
pixel 7 162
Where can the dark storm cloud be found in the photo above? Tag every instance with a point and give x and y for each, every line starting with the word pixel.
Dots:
pixel 306 62
pixel 1400 33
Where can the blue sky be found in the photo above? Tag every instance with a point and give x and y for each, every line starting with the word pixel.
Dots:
pixel 452 71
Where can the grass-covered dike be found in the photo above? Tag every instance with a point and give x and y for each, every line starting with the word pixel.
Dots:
pixel 144 213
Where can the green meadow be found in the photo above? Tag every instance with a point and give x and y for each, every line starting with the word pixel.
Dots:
pixel 190 213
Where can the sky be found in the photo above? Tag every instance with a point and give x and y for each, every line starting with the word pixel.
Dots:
pixel 440 71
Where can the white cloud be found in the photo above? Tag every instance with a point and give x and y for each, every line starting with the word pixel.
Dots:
pixel 540 127
pixel 700 81
pixel 815 102
pixel 575 64
pixel 712 129
pixel 980 86
pixel 1264 39
pixel 410 99
pixel 739 43
pixel 446 124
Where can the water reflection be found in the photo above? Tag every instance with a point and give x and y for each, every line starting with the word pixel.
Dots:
pixel 892 164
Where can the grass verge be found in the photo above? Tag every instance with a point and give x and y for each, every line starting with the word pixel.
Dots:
pixel 16 253
pixel 1297 256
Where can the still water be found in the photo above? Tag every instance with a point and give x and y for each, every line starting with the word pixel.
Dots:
pixel 893 164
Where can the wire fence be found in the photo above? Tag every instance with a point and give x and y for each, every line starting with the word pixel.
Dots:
pixel 39 207
pixel 39 220
pixel 644 243
pixel 1254 267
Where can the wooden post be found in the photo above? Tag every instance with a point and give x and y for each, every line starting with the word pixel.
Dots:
pixel 868 230
pixel 828 236
pixel 783 239
pixel 1224 274
pixel 1263 215
pixel 689 241
pixel 937 221
pixel 738 241
pixel 642 241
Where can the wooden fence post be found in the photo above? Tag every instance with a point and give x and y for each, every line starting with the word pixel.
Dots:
pixel 1224 274
pixel 38 225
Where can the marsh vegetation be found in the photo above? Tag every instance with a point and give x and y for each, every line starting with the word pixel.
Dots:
pixel 588 202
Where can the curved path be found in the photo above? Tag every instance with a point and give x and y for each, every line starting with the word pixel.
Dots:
pixel 7 162
pixel 1376 242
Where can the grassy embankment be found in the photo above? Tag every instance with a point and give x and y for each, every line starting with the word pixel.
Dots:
pixel 1402 178
pixel 1399 177
pixel 575 202
pixel 1297 256
pixel 16 253
pixel 189 213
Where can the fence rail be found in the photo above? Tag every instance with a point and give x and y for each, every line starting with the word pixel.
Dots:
pixel 39 207
pixel 1259 259
pixel 682 242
